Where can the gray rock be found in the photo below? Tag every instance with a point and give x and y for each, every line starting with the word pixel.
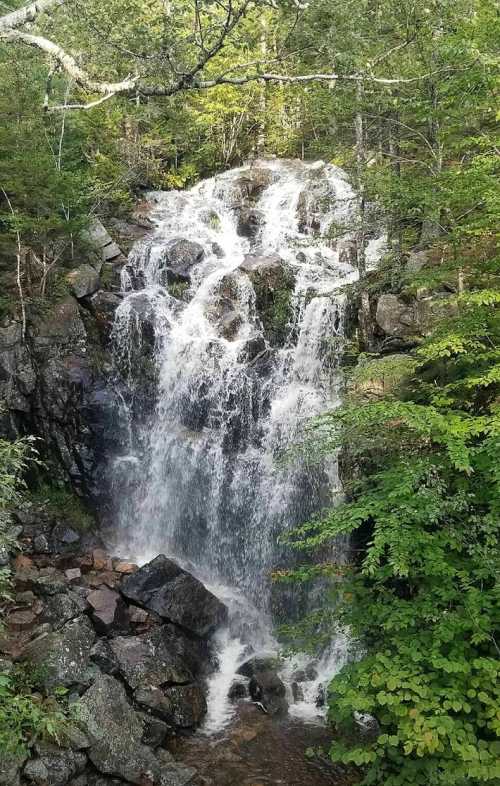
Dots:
pixel 158 657
pixel 66 535
pixel 55 767
pixel 250 222
pixel 104 657
pixel 181 705
pixel 48 585
pixel 179 257
pixel 41 544
pixel 83 281
pixel 10 769
pixel 258 663
pixel 109 613
pixel 238 690
pixel 155 731
pixel 268 689
pixel 62 607
pixel 165 588
pixel 115 731
pixel 64 654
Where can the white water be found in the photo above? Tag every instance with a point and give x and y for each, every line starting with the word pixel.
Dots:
pixel 199 479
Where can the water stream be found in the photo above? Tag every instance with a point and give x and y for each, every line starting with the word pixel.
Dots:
pixel 200 477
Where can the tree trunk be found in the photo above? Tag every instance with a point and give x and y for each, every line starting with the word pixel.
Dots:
pixel 365 328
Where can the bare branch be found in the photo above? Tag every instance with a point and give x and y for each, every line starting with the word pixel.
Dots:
pixel 69 64
pixel 27 13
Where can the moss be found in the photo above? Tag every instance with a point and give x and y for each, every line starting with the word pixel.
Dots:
pixel 60 501
pixel 178 289
pixel 274 305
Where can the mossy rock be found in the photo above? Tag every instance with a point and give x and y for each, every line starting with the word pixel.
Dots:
pixel 274 284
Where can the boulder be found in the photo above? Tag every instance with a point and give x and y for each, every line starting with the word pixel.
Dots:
pixel 152 659
pixel 253 181
pixel 257 664
pixel 64 654
pixel 179 256
pixel 55 767
pixel 250 221
pixel 238 690
pixel 83 281
pixel 183 706
pixel 165 588
pixel 115 732
pixel 10 769
pixel 414 319
pixel 109 612
pixel 268 689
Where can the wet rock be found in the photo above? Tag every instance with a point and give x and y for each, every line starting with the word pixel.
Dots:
pixel 115 732
pixel 256 664
pixel 83 281
pixel 103 306
pixel 238 690
pixel 64 654
pixel 253 349
pixel 101 560
pixel 254 181
pixel 250 221
pixel 154 658
pixel 109 612
pixel 179 257
pixel 102 655
pixel 180 705
pixel 165 588
pixel 273 283
pixel 268 689
pixel 297 692
pixel 55 767
pixel 230 324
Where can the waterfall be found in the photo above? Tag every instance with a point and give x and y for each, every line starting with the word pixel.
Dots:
pixel 238 334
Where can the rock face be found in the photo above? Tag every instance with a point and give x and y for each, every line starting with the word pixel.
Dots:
pixel 168 590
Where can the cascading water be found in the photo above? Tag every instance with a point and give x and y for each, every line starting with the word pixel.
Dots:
pixel 243 328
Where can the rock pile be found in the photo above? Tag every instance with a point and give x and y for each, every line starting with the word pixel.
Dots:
pixel 130 645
